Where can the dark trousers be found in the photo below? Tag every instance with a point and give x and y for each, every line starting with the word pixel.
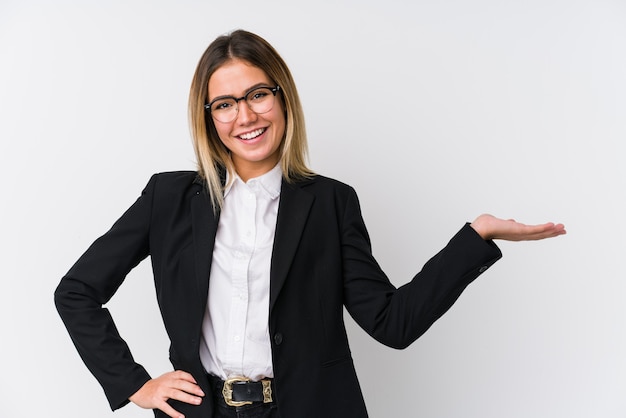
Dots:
pixel 256 410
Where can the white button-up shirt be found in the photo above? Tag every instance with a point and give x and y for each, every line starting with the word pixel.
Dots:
pixel 235 328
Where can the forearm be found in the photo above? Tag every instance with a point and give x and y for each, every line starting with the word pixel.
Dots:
pixel 397 317
pixel 98 342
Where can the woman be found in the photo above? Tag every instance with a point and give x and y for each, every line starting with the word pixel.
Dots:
pixel 254 257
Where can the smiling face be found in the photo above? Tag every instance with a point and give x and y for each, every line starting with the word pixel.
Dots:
pixel 253 139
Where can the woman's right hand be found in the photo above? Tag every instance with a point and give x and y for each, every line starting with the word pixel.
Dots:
pixel 177 385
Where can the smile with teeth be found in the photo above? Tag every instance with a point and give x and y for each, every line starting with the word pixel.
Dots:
pixel 251 135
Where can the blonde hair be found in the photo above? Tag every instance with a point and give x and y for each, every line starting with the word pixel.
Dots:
pixel 212 156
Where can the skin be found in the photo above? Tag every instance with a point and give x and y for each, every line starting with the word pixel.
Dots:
pixel 490 227
pixel 255 157
pixel 178 385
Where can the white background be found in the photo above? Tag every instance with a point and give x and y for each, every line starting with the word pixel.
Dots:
pixel 434 111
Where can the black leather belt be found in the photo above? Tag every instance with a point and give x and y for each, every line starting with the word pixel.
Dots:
pixel 239 391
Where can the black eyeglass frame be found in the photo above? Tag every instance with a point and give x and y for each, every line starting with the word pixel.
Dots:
pixel 274 90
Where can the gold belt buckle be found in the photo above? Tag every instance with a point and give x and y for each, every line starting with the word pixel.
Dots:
pixel 227 391
pixel 267 390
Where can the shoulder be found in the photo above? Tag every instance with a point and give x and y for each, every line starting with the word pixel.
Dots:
pixel 175 179
pixel 319 182
pixel 174 183
pixel 327 188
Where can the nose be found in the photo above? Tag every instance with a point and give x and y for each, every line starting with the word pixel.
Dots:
pixel 245 115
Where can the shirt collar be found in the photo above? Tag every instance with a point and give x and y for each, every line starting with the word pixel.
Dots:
pixel 268 183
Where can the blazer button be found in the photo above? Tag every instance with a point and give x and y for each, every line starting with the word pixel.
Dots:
pixel 278 338
pixel 482 269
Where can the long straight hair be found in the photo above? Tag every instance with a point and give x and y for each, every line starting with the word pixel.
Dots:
pixel 212 156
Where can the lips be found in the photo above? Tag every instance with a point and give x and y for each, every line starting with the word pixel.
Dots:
pixel 251 135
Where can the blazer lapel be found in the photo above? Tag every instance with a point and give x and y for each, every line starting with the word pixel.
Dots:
pixel 204 227
pixel 293 211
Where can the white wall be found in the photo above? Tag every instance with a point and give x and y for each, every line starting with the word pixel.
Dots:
pixel 433 111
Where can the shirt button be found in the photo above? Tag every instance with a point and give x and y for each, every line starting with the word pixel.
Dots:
pixel 237 338
pixel 278 338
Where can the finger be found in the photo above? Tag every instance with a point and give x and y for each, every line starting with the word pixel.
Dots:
pixel 550 229
pixel 543 231
pixel 522 232
pixel 185 397
pixel 189 387
pixel 182 375
pixel 185 382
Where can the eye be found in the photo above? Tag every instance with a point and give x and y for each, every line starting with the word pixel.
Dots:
pixel 258 95
pixel 222 105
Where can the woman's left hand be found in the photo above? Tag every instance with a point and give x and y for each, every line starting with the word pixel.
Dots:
pixel 490 227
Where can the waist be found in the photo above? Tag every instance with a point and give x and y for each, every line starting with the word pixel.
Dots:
pixel 241 391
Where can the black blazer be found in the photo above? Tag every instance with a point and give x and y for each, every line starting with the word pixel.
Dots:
pixel 321 262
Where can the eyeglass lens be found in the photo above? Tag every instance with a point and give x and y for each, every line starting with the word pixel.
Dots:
pixel 259 100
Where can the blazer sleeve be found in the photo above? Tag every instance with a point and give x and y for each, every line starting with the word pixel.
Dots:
pixel 397 317
pixel 90 284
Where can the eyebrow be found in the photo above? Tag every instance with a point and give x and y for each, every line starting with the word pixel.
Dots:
pixel 227 96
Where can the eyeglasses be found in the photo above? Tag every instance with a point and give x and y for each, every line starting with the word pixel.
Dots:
pixel 259 99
